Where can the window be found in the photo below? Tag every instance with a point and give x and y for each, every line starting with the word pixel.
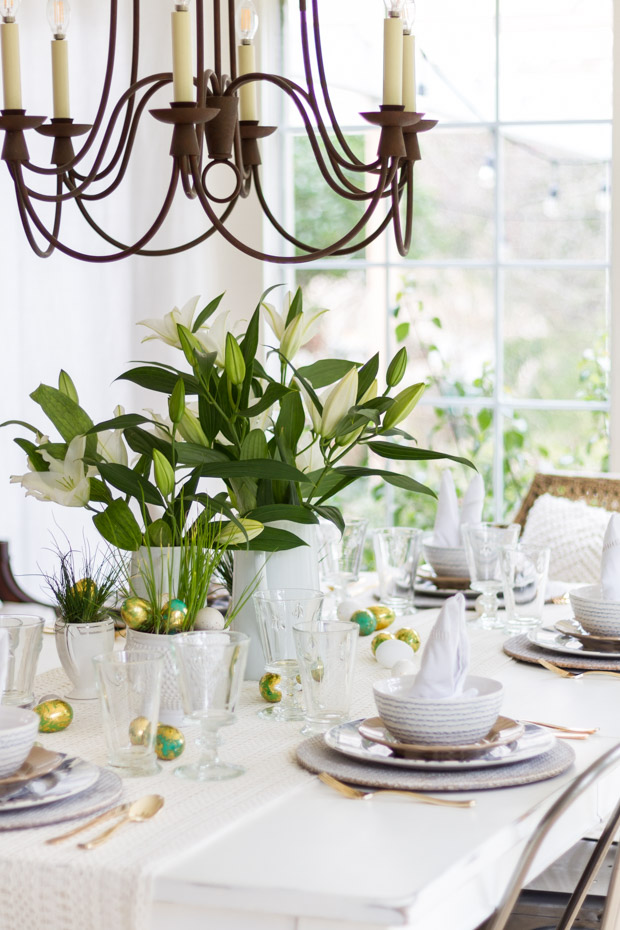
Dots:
pixel 503 300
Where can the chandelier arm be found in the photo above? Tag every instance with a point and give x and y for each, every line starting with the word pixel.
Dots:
pixel 22 198
pixel 124 253
pixel 349 250
pixel 299 259
pixel 403 245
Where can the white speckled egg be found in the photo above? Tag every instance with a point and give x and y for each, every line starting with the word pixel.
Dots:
pixel 392 651
pixel 402 668
pixel 209 619
pixel 347 608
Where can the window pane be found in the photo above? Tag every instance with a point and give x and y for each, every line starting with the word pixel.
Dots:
pixel 445 319
pixel 556 192
pixel 555 59
pixel 554 334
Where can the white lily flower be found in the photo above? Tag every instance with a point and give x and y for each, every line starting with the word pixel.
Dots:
pixel 110 443
pixel 162 425
pixel 338 402
pixel 65 483
pixel 213 338
pixel 298 332
pixel 315 416
pixel 166 329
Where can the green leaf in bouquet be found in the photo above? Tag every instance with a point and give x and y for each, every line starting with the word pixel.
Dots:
pixel 159 534
pixel 57 450
pixel 390 450
pixel 208 311
pixel 249 343
pixel 189 453
pixel 205 362
pixel 253 468
pixel 143 442
pixel 28 426
pixel 272 540
pixel 271 512
pixel 399 481
pixel 291 421
pixel 325 372
pixel 129 482
pixel 332 514
pixel 273 393
pixel 99 491
pixel 254 446
pixel 123 422
pixel 190 344
pixel 209 418
pixel 296 306
pixel 37 462
pixel 367 375
pixel 159 379
pixel 66 386
pixel 67 416
pixel 118 526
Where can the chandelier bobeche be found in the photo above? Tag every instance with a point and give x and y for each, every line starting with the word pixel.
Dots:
pixel 214 121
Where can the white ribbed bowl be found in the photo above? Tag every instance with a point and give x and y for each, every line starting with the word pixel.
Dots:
pixel 446 562
pixel 452 721
pixel 18 730
pixel 595 614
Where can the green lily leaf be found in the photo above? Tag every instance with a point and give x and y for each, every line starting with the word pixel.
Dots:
pixel 389 450
pixel 254 446
pixel 296 306
pixel 32 429
pixel 118 526
pixel 122 422
pixel 159 533
pixel 189 453
pixel 129 482
pixel 143 442
pixel 326 371
pixel 367 375
pixel 37 462
pixel 272 540
pixel 390 477
pixel 273 393
pixel 253 468
pixel 291 420
pixel 159 379
pixel 208 311
pixel 99 491
pixel 271 512
pixel 67 416
pixel 331 513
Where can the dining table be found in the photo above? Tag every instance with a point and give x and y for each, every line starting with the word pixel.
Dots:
pixel 277 849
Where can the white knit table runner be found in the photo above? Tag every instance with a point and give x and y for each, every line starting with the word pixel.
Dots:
pixel 110 888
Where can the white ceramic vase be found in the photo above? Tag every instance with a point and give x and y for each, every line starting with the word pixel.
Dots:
pixel 160 565
pixel 293 568
pixel 171 706
pixel 77 644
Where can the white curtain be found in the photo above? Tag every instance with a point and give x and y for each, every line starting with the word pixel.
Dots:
pixel 62 313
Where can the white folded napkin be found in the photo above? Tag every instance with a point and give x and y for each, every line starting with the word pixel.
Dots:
pixel 4 658
pixel 445 660
pixel 610 560
pixel 448 520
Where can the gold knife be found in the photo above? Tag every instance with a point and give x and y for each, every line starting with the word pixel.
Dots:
pixel 100 818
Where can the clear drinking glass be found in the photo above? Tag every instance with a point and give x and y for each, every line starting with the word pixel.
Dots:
pixel 211 665
pixel 277 611
pixel 129 685
pixel 483 542
pixel 524 575
pixel 326 652
pixel 25 642
pixel 397 552
pixel 340 557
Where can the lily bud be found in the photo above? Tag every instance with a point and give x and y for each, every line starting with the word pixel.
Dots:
pixel 231 535
pixel 176 402
pixel 315 416
pixel 371 393
pixel 190 429
pixel 164 474
pixel 404 402
pixel 396 368
pixel 338 403
pixel 234 363
pixel 67 387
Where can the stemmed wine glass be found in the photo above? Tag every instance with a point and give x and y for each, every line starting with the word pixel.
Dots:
pixel 483 543
pixel 277 611
pixel 211 666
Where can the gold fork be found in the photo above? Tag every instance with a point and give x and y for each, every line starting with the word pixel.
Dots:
pixel 357 795
pixel 566 673
pixel 557 726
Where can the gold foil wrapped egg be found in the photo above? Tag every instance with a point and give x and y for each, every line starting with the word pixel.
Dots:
pixel 383 615
pixel 55 715
pixel 139 731
pixel 269 687
pixel 411 637
pixel 378 639
pixel 137 613
pixel 85 587
pixel 317 670
pixel 169 742
pixel 366 621
pixel 174 614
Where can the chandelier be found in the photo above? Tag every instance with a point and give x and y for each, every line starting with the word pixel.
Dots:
pixel 213 120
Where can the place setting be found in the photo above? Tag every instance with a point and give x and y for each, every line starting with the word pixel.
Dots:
pixel 442 729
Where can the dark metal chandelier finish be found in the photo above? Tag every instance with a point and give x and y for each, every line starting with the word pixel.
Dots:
pixel 207 131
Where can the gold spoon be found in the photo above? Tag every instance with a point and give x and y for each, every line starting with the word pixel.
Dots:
pixel 356 794
pixel 142 809
pixel 566 673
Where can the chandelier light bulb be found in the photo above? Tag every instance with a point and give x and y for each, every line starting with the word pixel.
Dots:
pixel 181 6
pixel 408 16
pixel 58 15
pixel 247 21
pixel 394 8
pixel 8 10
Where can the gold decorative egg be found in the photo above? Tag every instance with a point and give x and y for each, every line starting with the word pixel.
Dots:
pixel 269 687
pixel 411 637
pixel 317 670
pixel 139 731
pixel 378 639
pixel 85 586
pixel 136 612
pixel 169 742
pixel 174 614
pixel 55 715
pixel 383 615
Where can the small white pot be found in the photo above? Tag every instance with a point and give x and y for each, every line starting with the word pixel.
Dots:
pixel 160 565
pixel 77 644
pixel 171 706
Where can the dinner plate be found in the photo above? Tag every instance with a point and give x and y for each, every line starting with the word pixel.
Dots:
pixel 445 582
pixel 81 777
pixel 505 730
pixel 347 739
pixel 573 628
pixel 560 642
pixel 38 762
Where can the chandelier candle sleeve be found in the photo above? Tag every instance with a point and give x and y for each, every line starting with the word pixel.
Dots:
pixel 393 58
pixel 409 73
pixel 11 72
pixel 247 24
pixel 182 71
pixel 58 16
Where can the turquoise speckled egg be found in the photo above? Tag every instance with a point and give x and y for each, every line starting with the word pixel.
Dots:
pixel 169 742
pixel 366 621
